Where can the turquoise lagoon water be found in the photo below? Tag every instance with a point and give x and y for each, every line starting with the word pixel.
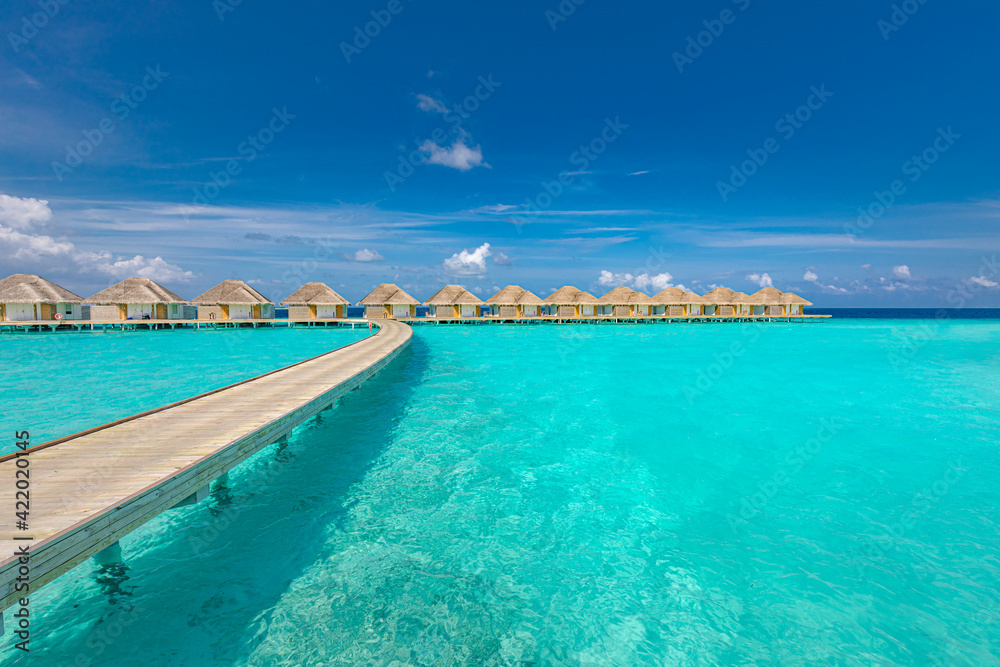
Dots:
pixel 592 495
pixel 58 384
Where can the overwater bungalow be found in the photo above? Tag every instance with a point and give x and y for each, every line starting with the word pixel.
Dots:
pixel 625 302
pixel 514 301
pixel 26 297
pixel 571 302
pixel 316 301
pixel 387 301
pixel 677 302
pixel 233 300
pixel 724 302
pixel 793 303
pixel 135 298
pixel 767 301
pixel 454 301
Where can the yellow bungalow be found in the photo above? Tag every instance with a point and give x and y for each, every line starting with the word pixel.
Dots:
pixel 454 302
pixel 136 298
pixel 387 301
pixel 25 297
pixel 514 301
pixel 724 302
pixel 677 302
pixel 625 302
pixel 767 302
pixel 571 302
pixel 793 303
pixel 316 301
pixel 233 300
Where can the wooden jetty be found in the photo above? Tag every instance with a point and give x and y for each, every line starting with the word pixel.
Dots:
pixel 89 489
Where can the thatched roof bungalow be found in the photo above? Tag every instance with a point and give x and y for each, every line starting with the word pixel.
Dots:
pixel 625 302
pixel 387 301
pixel 315 301
pixel 767 301
pixel 135 298
pixel 677 302
pixel 724 302
pixel 793 303
pixel 454 301
pixel 26 297
pixel 514 301
pixel 233 300
pixel 569 301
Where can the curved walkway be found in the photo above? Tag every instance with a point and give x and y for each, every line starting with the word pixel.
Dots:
pixel 90 489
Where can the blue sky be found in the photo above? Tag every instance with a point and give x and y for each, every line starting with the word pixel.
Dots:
pixel 699 143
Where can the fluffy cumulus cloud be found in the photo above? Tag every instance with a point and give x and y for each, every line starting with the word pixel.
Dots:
pixel 812 277
pixel 457 156
pixel 643 281
pixel 366 255
pixel 467 263
pixel 154 268
pixel 502 260
pixel 22 213
pixel 428 103
pixel 19 243
pixel 901 271
pixel 761 279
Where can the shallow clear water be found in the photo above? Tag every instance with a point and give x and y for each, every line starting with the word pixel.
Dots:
pixel 58 384
pixel 607 495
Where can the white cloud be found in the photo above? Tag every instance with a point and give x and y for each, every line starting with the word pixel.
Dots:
pixel 639 173
pixel 901 271
pixel 502 260
pixel 457 156
pixel 155 268
pixel 428 103
pixel 467 263
pixel 19 213
pixel 762 279
pixel 366 255
pixel 643 281
pixel 812 277
pixel 494 208
pixel 983 282
pixel 866 266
